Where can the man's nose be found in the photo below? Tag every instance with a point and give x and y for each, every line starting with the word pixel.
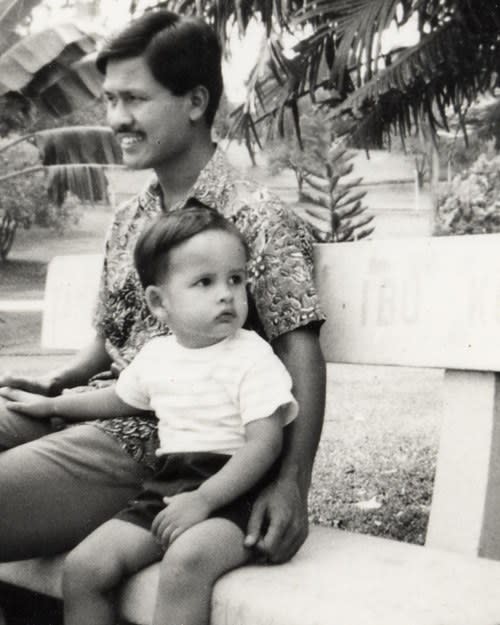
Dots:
pixel 119 117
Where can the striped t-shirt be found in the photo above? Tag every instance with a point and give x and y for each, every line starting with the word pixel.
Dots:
pixel 204 397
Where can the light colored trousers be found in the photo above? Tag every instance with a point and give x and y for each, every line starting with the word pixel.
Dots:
pixel 57 487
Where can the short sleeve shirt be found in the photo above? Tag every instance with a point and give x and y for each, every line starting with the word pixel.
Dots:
pixel 203 398
pixel 281 288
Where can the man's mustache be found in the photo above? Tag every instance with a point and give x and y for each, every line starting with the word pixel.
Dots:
pixel 123 129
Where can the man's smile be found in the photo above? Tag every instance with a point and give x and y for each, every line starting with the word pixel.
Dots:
pixel 128 140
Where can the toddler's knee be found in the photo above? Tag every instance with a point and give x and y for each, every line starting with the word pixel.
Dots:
pixel 87 571
pixel 183 560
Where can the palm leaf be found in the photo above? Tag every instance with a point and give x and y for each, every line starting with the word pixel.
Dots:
pixel 12 12
pixel 87 182
pixel 358 26
pixel 75 156
pixel 74 159
pixel 272 13
pixel 52 69
pixel 446 70
pixel 78 144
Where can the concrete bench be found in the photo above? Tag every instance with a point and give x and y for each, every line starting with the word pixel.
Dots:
pixel 409 302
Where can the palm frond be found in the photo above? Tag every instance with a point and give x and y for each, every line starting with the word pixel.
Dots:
pixel 52 69
pixel 445 71
pixel 12 12
pixel 87 182
pixel 457 58
pixel 77 144
pixel 74 159
pixel 272 14
pixel 358 26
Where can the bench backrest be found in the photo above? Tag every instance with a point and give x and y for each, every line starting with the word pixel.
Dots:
pixel 70 295
pixel 428 302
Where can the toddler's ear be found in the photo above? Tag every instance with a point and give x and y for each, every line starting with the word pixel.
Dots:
pixel 156 303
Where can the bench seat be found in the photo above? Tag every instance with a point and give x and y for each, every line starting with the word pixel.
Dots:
pixel 337 578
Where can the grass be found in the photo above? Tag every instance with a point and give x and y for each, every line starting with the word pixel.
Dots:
pixel 375 465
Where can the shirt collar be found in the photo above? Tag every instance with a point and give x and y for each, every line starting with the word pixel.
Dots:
pixel 210 187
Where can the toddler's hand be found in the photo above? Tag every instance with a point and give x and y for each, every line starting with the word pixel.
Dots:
pixel 182 512
pixel 29 404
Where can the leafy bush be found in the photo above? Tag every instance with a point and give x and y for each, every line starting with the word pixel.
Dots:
pixel 59 217
pixel 471 204
pixel 24 199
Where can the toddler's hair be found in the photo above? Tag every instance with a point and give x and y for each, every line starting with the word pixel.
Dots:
pixel 169 231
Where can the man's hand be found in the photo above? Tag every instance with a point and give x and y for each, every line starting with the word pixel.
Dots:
pixel 278 525
pixel 29 404
pixel 42 385
pixel 182 512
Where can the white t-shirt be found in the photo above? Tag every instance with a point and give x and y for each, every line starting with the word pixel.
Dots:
pixel 204 397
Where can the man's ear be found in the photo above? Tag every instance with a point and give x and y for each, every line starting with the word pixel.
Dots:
pixel 156 303
pixel 200 98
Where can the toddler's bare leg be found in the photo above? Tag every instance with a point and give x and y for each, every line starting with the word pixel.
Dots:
pixel 190 568
pixel 96 567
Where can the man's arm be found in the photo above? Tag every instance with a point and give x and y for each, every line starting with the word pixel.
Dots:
pixel 89 361
pixel 283 505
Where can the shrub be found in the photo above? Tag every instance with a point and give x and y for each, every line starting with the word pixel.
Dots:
pixel 59 217
pixel 24 199
pixel 471 204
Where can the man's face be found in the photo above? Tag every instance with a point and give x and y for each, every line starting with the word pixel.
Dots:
pixel 151 124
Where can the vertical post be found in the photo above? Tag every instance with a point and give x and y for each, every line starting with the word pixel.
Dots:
pixel 417 190
pixel 465 514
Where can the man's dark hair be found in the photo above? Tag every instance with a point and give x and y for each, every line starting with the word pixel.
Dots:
pixel 181 52
pixel 169 231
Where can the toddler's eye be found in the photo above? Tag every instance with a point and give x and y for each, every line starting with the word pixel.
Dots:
pixel 204 282
pixel 238 278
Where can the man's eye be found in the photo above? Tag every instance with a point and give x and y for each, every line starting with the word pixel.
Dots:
pixel 204 282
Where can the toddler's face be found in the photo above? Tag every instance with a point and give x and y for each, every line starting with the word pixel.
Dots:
pixel 204 290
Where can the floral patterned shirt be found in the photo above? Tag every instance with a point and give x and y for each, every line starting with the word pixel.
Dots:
pixel 281 290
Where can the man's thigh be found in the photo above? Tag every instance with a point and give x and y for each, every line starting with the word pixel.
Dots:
pixel 16 429
pixel 56 489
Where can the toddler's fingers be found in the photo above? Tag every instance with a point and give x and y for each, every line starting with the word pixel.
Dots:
pixel 166 535
pixel 17 406
pixel 7 393
pixel 175 534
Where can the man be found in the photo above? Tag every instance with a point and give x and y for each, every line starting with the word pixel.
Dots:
pixel 162 81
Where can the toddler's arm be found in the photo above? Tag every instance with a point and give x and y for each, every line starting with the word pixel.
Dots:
pixel 99 404
pixel 264 438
